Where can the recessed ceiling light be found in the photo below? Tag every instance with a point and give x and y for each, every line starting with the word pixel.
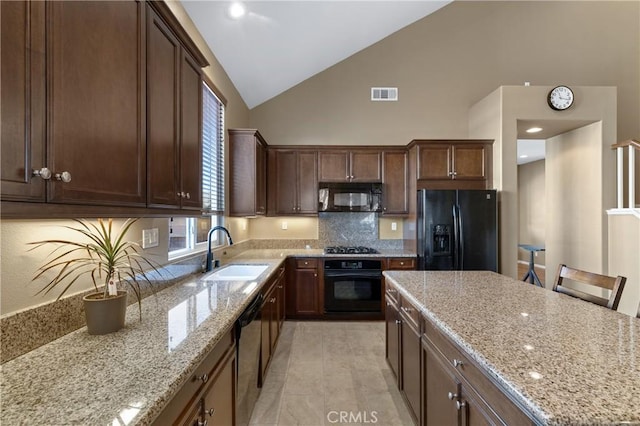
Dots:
pixel 237 10
pixel 534 130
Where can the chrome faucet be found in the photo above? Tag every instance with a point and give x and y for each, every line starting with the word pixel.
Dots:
pixel 209 265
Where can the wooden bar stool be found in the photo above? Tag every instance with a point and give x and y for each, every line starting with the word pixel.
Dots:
pixel 615 284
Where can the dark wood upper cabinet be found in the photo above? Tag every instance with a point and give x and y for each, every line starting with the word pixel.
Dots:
pixel 459 164
pixel 395 179
pixel 22 99
pixel 163 71
pixel 293 185
pixel 119 131
pixel 247 173
pixel 174 124
pixel 355 165
pixel 96 102
pixel 191 134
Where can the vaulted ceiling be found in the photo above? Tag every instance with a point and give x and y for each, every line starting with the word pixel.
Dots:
pixel 278 44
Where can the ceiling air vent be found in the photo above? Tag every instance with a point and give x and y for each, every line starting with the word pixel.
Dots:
pixel 384 93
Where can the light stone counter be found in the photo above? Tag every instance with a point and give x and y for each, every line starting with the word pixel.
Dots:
pixel 126 377
pixel 566 360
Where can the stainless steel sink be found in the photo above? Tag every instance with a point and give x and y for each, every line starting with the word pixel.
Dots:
pixel 235 272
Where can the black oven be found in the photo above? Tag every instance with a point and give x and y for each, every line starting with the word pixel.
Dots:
pixel 352 286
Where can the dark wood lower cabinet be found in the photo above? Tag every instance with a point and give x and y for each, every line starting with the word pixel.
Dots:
pixel 219 402
pixel 304 289
pixel 440 387
pixel 392 331
pixel 410 354
pixel 271 320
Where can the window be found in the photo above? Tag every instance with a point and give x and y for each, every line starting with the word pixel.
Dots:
pixel 212 152
pixel 189 234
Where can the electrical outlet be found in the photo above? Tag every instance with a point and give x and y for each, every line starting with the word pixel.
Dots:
pixel 394 226
pixel 149 238
pixel 285 225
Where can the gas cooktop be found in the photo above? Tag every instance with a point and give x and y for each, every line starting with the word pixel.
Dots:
pixel 349 250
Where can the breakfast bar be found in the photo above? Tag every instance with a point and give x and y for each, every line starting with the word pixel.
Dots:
pixel 557 359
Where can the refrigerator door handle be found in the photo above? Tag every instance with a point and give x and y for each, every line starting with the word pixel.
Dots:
pixel 461 240
pixel 456 237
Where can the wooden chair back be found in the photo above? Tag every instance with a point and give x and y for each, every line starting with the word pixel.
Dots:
pixel 615 284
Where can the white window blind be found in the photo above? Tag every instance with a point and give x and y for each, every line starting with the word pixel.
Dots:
pixel 212 152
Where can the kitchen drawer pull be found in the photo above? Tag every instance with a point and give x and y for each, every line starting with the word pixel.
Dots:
pixel 204 378
pixel 457 363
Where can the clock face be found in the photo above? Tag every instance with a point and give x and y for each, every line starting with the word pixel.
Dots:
pixel 560 98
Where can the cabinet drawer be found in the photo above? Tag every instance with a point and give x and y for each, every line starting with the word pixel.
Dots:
pixel 410 313
pixel 489 392
pixel 401 263
pixel 306 263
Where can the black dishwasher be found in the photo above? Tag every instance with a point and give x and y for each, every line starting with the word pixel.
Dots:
pixel 248 341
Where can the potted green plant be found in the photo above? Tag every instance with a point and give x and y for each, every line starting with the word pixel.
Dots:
pixel 106 256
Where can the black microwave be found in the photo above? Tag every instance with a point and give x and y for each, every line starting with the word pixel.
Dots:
pixel 349 197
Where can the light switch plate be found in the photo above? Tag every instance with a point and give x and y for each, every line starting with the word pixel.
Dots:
pixel 285 225
pixel 149 238
pixel 394 226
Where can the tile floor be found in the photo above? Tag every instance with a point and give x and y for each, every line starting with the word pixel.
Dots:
pixel 324 370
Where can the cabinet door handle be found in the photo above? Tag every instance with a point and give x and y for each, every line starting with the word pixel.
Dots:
pixel 203 378
pixel 460 404
pixel 201 423
pixel 398 322
pixel 452 395
pixel 457 363
pixel 279 286
pixel 315 275
pixel 65 176
pixel 210 412
pixel 43 173
pixel 188 196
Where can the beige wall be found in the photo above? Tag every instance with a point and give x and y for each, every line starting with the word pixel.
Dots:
pixel 307 228
pixel 624 246
pixel 575 219
pixel 496 117
pixel 532 208
pixel 448 61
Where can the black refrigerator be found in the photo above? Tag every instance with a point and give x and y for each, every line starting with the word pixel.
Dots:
pixel 457 230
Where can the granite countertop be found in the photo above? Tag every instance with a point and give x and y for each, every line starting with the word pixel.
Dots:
pixel 129 376
pixel 568 361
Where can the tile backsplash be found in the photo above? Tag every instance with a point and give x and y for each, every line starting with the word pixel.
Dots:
pixel 352 229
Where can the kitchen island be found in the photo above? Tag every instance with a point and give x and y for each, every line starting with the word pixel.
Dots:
pixel 559 360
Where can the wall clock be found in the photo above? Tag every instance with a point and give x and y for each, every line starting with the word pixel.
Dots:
pixel 560 98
